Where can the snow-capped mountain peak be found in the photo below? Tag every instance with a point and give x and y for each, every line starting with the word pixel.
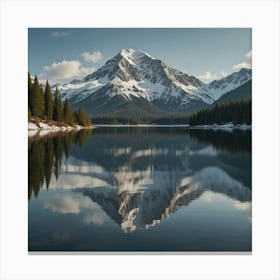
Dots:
pixel 135 74
pixel 132 54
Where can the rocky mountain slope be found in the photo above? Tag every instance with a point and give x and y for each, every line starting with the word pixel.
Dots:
pixel 133 82
pixel 243 92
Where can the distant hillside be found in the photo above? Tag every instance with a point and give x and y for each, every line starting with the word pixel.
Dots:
pixel 242 92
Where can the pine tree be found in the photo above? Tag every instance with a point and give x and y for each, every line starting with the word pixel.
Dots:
pixel 67 112
pixel 48 102
pixel 30 93
pixel 29 114
pixel 57 109
pixel 35 96
pixel 82 118
pixel 237 112
pixel 41 103
pixel 37 99
pixel 74 118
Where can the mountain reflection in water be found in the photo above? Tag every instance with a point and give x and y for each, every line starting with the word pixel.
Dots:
pixel 139 176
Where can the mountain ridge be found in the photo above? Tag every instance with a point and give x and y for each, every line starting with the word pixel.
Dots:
pixel 243 92
pixel 133 75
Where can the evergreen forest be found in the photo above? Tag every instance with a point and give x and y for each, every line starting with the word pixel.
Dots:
pixel 236 112
pixel 45 105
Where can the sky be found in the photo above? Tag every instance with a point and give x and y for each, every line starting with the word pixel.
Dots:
pixel 63 54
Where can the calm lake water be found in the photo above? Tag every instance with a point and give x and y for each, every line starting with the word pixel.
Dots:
pixel 140 189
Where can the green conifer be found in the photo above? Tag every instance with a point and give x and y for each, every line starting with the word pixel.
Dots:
pixel 48 102
pixel 30 93
pixel 29 114
pixel 57 109
pixel 82 118
pixel 35 96
pixel 67 112
pixel 41 103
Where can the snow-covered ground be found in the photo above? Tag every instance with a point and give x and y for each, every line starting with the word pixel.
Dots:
pixel 226 126
pixel 43 128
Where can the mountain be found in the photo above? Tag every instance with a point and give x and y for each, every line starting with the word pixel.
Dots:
pixel 242 92
pixel 134 83
pixel 229 83
pixel 143 208
pixel 141 176
pixel 140 181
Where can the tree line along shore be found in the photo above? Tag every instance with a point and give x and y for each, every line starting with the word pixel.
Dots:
pixel 45 106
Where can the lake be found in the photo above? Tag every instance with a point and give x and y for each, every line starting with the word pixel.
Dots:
pixel 140 189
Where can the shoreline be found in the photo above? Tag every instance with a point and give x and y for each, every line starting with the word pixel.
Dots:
pixel 43 128
pixel 226 126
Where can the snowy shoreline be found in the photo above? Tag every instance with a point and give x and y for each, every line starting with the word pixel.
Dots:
pixel 226 126
pixel 43 128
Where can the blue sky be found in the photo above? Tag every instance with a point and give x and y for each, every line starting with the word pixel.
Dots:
pixel 62 54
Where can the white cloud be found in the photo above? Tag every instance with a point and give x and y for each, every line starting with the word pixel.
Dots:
pixel 59 34
pixel 97 218
pixel 62 204
pixel 64 70
pixel 241 65
pixel 210 76
pixel 244 64
pixel 242 206
pixel 84 71
pixel 66 203
pixel 75 203
pixel 207 76
pixel 92 57
pixel 75 180
pixel 249 54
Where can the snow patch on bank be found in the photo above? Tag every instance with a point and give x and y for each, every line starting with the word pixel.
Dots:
pixel 43 128
pixel 226 126
pixel 32 126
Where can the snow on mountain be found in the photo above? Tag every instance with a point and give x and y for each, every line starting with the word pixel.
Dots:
pixel 135 74
pixel 137 199
pixel 217 88
pixel 146 206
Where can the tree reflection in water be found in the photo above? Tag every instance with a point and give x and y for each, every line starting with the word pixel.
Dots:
pixel 45 156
